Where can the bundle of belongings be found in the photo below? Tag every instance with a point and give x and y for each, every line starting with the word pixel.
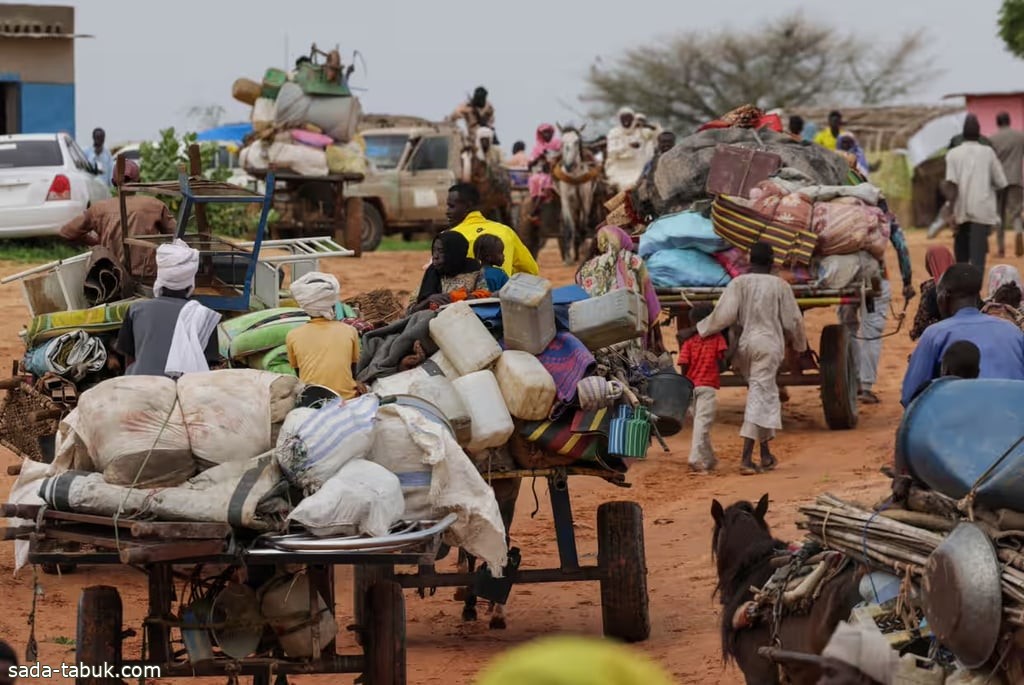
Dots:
pixel 533 379
pixel 941 573
pixel 236 446
pixel 305 120
pixel 722 190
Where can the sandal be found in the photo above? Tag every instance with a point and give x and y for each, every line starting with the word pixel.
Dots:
pixel 750 470
pixel 770 465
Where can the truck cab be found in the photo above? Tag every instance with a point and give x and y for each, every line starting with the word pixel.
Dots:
pixel 412 163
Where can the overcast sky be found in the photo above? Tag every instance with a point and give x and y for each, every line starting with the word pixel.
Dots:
pixel 149 62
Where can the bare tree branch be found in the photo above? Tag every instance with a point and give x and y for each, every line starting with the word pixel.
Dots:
pixel 790 62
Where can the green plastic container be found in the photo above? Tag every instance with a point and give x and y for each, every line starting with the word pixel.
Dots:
pixel 273 79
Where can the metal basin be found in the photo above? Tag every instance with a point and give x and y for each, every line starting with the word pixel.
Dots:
pixel 963 599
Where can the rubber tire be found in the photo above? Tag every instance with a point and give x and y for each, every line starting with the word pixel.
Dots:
pixel 837 357
pixel 364 577
pixel 98 635
pixel 385 635
pixel 625 606
pixel 373 227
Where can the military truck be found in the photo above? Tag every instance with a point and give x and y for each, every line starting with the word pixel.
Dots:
pixel 413 162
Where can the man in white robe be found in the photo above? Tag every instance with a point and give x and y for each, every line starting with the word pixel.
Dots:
pixel 763 308
pixel 627 152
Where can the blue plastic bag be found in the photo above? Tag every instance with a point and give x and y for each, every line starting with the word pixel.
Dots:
pixel 681 231
pixel 678 268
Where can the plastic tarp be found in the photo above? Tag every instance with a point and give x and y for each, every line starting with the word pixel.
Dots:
pixel 934 137
pixel 682 230
pixel 228 133
pixel 678 268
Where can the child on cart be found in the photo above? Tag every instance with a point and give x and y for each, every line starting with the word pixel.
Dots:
pixel 702 360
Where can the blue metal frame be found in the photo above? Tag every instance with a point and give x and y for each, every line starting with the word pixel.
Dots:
pixel 190 199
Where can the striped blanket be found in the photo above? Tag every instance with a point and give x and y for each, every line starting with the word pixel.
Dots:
pixel 105 318
pixel 742 227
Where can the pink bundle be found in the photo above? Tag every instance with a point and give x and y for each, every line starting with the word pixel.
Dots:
pixel 847 225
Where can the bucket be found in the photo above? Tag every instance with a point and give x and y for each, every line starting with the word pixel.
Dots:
pixel 194 630
pixel 284 602
pixel 671 393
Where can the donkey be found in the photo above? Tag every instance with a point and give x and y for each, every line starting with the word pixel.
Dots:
pixel 577 177
pixel 743 547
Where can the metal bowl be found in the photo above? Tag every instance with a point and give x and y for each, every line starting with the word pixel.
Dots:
pixel 963 597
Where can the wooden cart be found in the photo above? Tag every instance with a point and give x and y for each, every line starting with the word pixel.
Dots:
pixel 164 551
pixel 621 568
pixel 837 374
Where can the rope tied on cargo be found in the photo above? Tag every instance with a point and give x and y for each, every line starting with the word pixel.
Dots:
pixel 138 473
pixel 966 505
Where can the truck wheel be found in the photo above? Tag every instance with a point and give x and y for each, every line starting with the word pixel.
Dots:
pixel 838 378
pixel 373 227
pixel 625 609
pixel 98 637
pixel 385 635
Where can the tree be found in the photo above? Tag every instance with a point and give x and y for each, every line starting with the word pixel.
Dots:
pixel 786 63
pixel 1011 26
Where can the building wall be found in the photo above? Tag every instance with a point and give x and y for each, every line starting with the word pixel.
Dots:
pixel 44 67
pixel 986 107
pixel 47 108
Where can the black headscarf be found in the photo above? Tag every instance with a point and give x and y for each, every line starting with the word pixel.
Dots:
pixel 455 261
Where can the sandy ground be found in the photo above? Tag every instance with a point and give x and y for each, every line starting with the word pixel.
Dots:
pixel 684 616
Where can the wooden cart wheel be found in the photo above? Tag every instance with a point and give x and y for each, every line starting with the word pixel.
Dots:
pixel 838 362
pixel 365 576
pixel 385 634
pixel 98 636
pixel 625 610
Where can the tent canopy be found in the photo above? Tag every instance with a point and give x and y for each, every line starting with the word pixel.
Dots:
pixel 232 133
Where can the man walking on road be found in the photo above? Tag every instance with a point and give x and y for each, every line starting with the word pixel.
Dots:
pixel 763 307
pixel 977 174
pixel 99 156
pixel 1009 146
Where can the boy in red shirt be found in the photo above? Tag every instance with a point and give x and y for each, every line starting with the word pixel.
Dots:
pixel 702 360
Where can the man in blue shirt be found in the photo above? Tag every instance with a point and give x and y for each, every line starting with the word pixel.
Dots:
pixel 99 156
pixel 1000 343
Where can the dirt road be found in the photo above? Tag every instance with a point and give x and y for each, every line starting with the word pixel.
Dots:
pixel 676 503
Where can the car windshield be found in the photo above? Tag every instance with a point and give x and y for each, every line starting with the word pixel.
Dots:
pixel 385 151
pixel 29 153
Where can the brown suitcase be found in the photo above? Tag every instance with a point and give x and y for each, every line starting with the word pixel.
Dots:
pixel 736 170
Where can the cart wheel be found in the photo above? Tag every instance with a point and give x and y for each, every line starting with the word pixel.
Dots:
pixel 620 555
pixel 373 227
pixel 838 362
pixel 52 569
pixel 365 576
pixel 98 638
pixel 385 635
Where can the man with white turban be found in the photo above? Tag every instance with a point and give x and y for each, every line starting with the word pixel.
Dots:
pixel 170 335
pixel 627 151
pixel 324 351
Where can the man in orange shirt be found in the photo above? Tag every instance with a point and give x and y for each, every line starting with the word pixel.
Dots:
pixel 324 351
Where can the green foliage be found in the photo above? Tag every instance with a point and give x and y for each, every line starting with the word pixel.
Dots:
pixel 161 161
pixel 36 251
pixel 1011 26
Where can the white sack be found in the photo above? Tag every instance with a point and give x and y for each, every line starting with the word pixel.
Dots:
pixel 133 430
pixel 229 413
pixel 302 159
pixel 314 444
pixel 89 493
pixel 336 116
pixel 361 498
pixel 26 491
pixel 455 484
pixel 263 112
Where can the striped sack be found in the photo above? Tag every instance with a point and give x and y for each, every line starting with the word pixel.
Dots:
pixel 331 437
pixel 630 433
pixel 742 227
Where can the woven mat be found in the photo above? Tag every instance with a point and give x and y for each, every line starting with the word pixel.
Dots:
pixel 17 433
pixel 380 307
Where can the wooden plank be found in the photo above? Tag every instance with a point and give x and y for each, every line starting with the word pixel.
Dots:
pixel 171 551
pixel 167 530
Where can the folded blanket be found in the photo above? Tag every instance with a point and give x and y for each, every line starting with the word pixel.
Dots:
pixel 384 348
pixel 568 361
pixel 103 319
pixel 71 355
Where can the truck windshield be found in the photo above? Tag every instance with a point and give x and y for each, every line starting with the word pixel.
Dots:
pixel 385 151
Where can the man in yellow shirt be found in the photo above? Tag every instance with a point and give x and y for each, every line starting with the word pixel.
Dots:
pixel 464 217
pixel 828 136
pixel 323 351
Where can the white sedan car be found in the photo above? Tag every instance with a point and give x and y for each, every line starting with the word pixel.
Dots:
pixel 45 181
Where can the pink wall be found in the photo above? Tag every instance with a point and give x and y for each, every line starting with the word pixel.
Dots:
pixel 986 107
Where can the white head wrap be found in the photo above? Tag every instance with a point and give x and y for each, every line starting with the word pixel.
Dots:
pixel 176 267
pixel 483 133
pixel 864 649
pixel 624 111
pixel 317 293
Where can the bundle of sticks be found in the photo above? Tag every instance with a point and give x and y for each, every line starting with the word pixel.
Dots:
pixel 899 541
pixel 380 307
